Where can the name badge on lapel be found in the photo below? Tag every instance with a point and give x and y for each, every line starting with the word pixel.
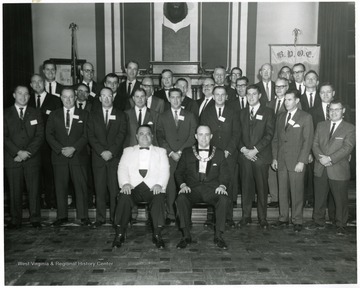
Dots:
pixel 259 117
pixel 222 119
pixel 181 117
pixel 291 122
pixel 48 112
pixel 112 117
pixel 75 116
pixel 33 122
pixel 182 107
pixel 92 94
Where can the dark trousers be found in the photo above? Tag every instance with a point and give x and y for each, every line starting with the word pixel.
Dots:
pixel 16 179
pixel 105 179
pixel 171 191
pixel 232 189
pixel 309 183
pixel 199 194
pixel 78 176
pixel 339 191
pixel 254 178
pixel 47 179
pixel 140 193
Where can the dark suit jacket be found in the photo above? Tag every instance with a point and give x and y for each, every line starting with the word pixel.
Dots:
pixel 110 138
pixel 225 134
pixel 264 99
pixel 174 138
pixel 57 137
pixel 94 88
pixel 217 172
pixel 58 89
pixel 151 118
pixel 305 104
pixel 272 104
pixel 157 104
pixel 123 98
pixel 293 145
pixel 235 104
pixel 26 135
pixel 88 105
pixel 190 105
pixel 231 93
pixel 199 102
pixel 162 95
pixel 258 132
pixel 51 103
pixel 339 147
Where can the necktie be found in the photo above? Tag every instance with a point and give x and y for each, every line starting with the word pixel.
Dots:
pixel 277 106
pixel 38 102
pixel 176 118
pixel 311 100
pixel 332 130
pixel 80 106
pixel 327 112
pixel 300 88
pixel 106 117
pixel 206 101
pixel 252 113
pixel 219 112
pixel 140 117
pixel 242 102
pixel 21 113
pixel 50 90
pixel 287 121
pixel 129 89
pixel 67 123
pixel 267 91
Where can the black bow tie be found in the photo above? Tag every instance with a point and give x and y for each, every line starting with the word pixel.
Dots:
pixel 147 148
pixel 207 150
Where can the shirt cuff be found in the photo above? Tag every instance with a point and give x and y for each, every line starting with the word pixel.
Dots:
pixel 222 186
pixel 182 185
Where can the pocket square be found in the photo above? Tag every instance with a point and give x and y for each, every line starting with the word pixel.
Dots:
pixel 296 126
pixel 214 164
pixel 150 123
pixel 80 121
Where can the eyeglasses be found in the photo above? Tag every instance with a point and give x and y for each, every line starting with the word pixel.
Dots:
pixel 280 86
pixel 241 86
pixel 88 71
pixel 298 72
pixel 335 109
pixel 208 85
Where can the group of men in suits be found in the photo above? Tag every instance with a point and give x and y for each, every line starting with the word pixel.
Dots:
pixel 270 122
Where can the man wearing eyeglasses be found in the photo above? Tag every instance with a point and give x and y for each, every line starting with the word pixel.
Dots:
pixel 83 101
pixel 154 103
pixel 240 101
pixel 298 72
pixel 87 73
pixel 333 143
pixel 207 90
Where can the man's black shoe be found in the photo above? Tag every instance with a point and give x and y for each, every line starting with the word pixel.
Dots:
pixel 97 224
pixel 12 226
pixel 219 242
pixel 297 227
pixel 36 224
pixel 314 226
pixel 340 231
pixel 158 241
pixel 118 240
pixel 85 222
pixel 280 224
pixel 183 243
pixel 264 224
pixel 273 205
pixel 230 223
pixel 59 222
pixel 244 222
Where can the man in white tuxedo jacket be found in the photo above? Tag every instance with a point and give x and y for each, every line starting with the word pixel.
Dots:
pixel 143 174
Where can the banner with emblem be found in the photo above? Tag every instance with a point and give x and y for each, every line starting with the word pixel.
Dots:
pixel 288 55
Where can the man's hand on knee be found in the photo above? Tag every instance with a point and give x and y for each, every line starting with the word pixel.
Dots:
pixel 184 188
pixel 126 189
pixel 156 189
pixel 221 190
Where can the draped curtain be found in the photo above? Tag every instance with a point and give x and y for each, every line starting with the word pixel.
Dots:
pixel 18 58
pixel 333 38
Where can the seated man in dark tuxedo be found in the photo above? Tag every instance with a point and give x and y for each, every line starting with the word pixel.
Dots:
pixel 51 86
pixel 23 138
pixel 166 84
pixel 143 174
pixel 203 176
